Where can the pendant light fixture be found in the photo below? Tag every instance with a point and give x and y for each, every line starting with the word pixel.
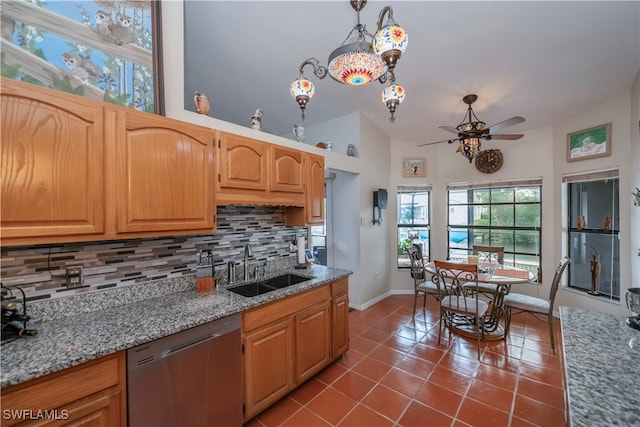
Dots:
pixel 361 59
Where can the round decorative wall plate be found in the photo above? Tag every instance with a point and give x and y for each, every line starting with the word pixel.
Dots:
pixel 489 161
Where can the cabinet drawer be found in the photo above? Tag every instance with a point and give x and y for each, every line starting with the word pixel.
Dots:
pixel 278 309
pixel 340 287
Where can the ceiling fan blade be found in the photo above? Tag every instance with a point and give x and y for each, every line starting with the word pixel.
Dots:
pixel 516 120
pixel 509 136
pixel 449 129
pixel 437 142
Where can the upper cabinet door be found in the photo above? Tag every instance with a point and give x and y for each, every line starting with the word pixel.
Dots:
pixel 314 207
pixel 52 165
pixel 165 176
pixel 243 163
pixel 287 170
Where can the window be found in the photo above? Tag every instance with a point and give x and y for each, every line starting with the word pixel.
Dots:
pixel 594 248
pixel 413 221
pixel 508 215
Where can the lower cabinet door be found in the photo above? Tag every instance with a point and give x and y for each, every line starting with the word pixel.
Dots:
pixel 340 323
pixel 313 340
pixel 268 357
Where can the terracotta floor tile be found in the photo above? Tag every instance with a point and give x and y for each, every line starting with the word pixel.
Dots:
pixel 356 329
pixel 376 335
pixel 537 412
pixel 416 366
pixel 496 376
pixel 491 395
pixel 399 343
pixel 519 422
pixel 419 415
pixel 350 358
pixel 362 416
pixel 281 411
pixel 372 368
pixel 459 364
pixel 305 417
pixel 450 380
pixel 542 374
pixel 307 391
pixel 506 363
pixel 331 405
pixel 387 402
pixel 476 413
pixel 332 373
pixel 354 385
pixel 402 382
pixel 542 392
pixel 363 345
pixel 545 358
pixel 410 333
pixel 254 422
pixel 387 355
pixel 427 352
pixel 439 398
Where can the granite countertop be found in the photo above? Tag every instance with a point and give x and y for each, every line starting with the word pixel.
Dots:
pixel 72 340
pixel 602 367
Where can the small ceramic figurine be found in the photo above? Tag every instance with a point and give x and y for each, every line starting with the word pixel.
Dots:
pixel 256 120
pixel 352 151
pixel 607 223
pixel 580 222
pixel 595 272
pixel 298 132
pixel 202 103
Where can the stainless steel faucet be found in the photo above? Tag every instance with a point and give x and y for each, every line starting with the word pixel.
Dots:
pixel 247 253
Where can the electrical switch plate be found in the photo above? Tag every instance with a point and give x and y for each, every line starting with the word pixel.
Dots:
pixel 74 276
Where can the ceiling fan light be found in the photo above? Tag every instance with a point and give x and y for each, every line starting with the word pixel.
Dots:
pixel 355 64
pixel 469 148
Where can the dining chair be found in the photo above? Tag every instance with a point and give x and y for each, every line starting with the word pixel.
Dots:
pixel 457 308
pixel 488 255
pixel 540 308
pixel 422 285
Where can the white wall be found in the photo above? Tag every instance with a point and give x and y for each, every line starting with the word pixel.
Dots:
pixel 634 177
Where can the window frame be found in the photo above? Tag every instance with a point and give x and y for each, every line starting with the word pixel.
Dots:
pixel 401 191
pixel 512 254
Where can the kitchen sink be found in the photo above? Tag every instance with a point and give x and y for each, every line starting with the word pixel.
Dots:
pixel 268 285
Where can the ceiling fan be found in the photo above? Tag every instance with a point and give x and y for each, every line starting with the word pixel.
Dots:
pixel 473 131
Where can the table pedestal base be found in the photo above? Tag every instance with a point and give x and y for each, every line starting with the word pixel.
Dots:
pixel 470 331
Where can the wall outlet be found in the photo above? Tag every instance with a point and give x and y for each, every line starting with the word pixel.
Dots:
pixel 74 276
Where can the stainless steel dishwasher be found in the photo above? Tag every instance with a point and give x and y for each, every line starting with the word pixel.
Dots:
pixel 192 378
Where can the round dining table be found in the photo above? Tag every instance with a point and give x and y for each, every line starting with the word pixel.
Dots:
pixel 503 277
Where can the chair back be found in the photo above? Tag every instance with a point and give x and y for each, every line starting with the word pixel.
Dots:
pixel 417 264
pixel 564 262
pixel 452 275
pixel 489 254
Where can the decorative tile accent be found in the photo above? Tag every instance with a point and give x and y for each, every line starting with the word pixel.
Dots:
pixel 40 270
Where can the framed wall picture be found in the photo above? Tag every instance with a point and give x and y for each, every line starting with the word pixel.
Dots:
pixel 589 143
pixel 103 49
pixel 414 168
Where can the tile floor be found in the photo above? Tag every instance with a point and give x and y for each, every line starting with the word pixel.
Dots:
pixel 396 374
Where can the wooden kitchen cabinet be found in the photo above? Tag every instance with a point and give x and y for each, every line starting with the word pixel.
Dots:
pixel 52 165
pixel 339 317
pixel 289 340
pixel 164 174
pixel 287 170
pixel 91 394
pixel 268 357
pixel 243 163
pixel 253 172
pixel 313 340
pixel 313 210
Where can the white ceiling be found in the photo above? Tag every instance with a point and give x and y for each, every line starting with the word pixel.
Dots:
pixel 543 60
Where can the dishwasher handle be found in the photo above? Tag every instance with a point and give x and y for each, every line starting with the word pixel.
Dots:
pixel 185 346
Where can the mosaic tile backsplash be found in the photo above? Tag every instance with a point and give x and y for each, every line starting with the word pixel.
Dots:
pixel 40 270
